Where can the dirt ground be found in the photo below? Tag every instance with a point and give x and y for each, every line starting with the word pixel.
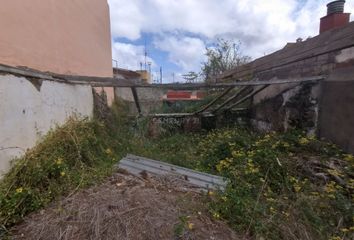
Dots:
pixel 127 207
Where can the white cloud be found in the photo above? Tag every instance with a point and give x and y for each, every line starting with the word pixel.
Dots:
pixel 185 52
pixel 262 26
pixel 129 56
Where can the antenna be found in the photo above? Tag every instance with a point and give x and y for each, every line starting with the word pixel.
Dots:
pixel 145 53
pixel 161 75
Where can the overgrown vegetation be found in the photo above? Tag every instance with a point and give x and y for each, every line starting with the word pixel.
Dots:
pixel 72 156
pixel 281 185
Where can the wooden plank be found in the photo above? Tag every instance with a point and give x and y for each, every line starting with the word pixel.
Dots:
pixel 191 86
pixel 215 100
pixel 247 97
pixel 136 99
pixel 172 115
pixel 116 82
pixel 239 93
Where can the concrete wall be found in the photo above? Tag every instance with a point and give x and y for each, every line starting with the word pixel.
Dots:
pixel 336 122
pixel 28 109
pixel 67 36
pixel 149 98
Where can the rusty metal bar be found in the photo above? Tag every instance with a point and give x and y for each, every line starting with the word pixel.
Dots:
pixel 247 96
pixel 214 101
pixel 136 99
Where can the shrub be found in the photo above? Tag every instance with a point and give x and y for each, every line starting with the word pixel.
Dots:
pixel 282 186
pixel 69 157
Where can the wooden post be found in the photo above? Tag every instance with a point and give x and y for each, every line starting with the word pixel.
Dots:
pixel 136 99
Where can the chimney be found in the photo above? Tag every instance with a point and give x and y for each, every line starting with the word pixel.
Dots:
pixel 335 16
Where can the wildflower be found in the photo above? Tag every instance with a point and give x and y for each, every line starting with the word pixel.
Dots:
pixel 216 215
pixel 303 141
pixel 190 226
pixel 345 230
pixel 285 214
pixel 59 161
pixel 297 187
pixel 62 174
pixel 335 238
pixel 286 144
pixel 19 190
pixel 272 210
pixel 270 199
pixel 210 193
pixel 330 187
pixel 108 151
pixel 348 157
pixel 335 172
pixel 224 198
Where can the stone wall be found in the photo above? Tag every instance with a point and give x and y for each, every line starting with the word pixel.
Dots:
pixel 31 107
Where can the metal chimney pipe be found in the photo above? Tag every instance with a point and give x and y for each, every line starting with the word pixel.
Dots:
pixel 335 7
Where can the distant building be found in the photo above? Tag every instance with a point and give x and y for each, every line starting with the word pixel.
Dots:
pixel 145 76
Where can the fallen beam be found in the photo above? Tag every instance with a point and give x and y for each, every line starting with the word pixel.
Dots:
pixel 235 96
pixel 247 97
pixel 214 101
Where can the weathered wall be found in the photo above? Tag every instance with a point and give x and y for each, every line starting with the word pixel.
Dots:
pixel 336 121
pixel 325 109
pixel 149 98
pixel 28 109
pixel 292 107
pixel 66 36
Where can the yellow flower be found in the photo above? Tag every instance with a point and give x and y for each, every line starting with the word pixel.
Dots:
pixel 216 215
pixel 190 226
pixel 108 151
pixel 297 187
pixel 62 174
pixel 19 190
pixel 285 214
pixel 335 238
pixel 210 193
pixel 272 210
pixel 271 200
pixel 286 144
pixel 303 141
pixel 59 161
pixel 344 230
pixel 348 157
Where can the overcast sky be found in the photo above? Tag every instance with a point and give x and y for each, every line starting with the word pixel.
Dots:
pixel 177 31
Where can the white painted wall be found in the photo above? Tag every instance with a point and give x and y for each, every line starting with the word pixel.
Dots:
pixel 26 113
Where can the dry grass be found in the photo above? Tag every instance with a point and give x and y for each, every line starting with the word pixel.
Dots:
pixel 127 207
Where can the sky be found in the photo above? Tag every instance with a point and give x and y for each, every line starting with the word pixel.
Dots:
pixel 177 32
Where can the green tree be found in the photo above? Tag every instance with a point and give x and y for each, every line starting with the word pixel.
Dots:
pixel 223 56
pixel 190 77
